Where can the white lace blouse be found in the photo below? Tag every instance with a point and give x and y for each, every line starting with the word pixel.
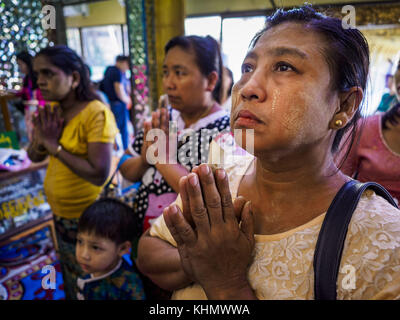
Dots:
pixel 282 266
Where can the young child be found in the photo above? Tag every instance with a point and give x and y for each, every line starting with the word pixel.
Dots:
pixel 105 232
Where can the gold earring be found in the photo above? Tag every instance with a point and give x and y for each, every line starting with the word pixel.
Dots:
pixel 338 123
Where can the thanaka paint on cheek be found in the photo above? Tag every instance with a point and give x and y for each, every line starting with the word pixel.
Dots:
pixel 295 118
pixel 235 101
pixel 274 99
pixel 235 95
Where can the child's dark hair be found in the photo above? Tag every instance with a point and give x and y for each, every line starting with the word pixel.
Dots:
pixel 208 57
pixel 109 218
pixel 68 61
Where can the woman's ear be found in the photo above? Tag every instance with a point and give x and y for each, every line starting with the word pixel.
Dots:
pixel 124 248
pixel 76 79
pixel 349 104
pixel 212 80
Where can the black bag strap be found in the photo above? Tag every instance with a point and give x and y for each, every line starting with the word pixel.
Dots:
pixel 331 238
pixel 110 179
pixel 107 185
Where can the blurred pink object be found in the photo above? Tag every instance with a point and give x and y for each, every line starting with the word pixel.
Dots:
pixel 373 160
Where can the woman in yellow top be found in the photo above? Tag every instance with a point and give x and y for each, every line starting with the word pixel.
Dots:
pixel 78 136
pixel 301 89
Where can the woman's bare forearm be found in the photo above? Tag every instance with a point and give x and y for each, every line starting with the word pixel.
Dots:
pixel 84 169
pixel 133 169
pixel 161 262
pixel 94 168
pixel 172 173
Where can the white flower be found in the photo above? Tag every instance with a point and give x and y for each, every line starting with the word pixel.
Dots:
pixel 383 240
pixel 283 294
pixel 381 280
pixel 280 270
pixel 260 267
pixel 294 248
pixel 370 256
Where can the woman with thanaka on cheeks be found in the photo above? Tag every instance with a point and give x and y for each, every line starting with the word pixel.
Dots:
pixel 301 88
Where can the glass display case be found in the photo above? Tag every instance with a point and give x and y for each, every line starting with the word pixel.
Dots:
pixel 23 205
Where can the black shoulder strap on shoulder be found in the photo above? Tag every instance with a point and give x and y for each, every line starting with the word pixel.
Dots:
pixel 329 247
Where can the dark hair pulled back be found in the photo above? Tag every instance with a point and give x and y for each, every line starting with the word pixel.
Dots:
pixel 25 57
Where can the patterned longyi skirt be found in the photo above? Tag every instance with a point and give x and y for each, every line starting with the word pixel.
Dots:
pixel 66 231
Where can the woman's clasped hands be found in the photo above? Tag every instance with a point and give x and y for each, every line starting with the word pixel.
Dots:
pixel 214 236
pixel 48 127
pixel 160 121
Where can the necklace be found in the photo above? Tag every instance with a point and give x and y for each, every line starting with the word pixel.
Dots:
pixel 203 115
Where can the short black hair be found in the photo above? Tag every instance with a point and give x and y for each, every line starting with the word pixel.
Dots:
pixel 122 58
pixel 111 219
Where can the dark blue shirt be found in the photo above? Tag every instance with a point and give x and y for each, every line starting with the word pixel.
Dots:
pixel 123 284
pixel 111 75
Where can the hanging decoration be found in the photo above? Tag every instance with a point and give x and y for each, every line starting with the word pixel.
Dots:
pixel 21 29
pixel 151 52
pixel 138 50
